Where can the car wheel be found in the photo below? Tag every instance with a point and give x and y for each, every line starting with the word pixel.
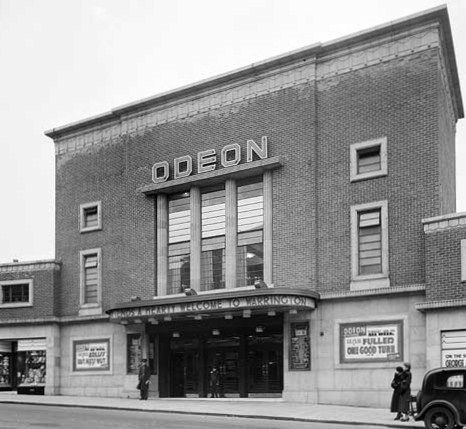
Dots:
pixel 439 418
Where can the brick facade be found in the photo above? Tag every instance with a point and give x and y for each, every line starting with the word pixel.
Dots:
pixel 397 83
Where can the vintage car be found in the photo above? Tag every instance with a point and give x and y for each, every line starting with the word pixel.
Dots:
pixel 441 402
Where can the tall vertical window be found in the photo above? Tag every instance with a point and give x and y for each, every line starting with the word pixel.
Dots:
pixel 250 250
pixel 179 235
pixel 370 242
pixel 90 281
pixel 369 246
pixel 213 239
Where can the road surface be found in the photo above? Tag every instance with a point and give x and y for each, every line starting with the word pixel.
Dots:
pixel 19 416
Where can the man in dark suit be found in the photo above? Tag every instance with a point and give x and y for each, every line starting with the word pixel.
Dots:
pixel 144 379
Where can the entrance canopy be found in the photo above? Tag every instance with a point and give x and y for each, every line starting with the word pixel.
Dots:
pixel 219 303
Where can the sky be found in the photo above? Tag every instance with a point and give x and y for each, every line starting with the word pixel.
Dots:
pixel 65 60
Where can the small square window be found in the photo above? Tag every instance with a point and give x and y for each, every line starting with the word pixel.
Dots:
pixel 90 218
pixel 368 159
pixel 16 293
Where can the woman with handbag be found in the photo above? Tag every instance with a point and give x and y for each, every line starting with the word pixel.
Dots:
pixel 405 391
pixel 396 385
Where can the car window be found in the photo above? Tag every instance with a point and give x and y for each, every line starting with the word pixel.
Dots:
pixel 444 380
pixel 455 381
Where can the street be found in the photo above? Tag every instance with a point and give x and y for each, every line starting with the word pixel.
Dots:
pixel 18 416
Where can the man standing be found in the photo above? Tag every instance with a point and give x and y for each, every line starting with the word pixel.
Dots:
pixel 144 379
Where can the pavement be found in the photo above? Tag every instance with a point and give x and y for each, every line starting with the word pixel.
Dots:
pixel 260 408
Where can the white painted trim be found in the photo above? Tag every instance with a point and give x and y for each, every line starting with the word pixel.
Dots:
pixel 463 260
pixel 85 206
pixel 355 147
pixel 372 281
pixel 30 303
pixel 93 308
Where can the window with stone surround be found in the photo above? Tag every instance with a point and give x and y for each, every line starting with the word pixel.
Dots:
pixel 90 281
pixel 90 217
pixel 369 246
pixel 16 293
pixel 368 159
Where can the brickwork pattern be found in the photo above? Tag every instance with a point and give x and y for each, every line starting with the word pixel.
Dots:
pixel 113 174
pixel 44 284
pixel 443 264
pixel 397 100
pixel 311 127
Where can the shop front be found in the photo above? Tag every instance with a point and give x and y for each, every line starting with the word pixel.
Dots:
pixel 23 366
pixel 228 343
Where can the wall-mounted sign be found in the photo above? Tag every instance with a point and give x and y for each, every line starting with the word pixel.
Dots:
pixel 453 349
pixel 371 342
pixel 133 352
pixel 300 347
pixel 215 305
pixel 230 155
pixel 91 355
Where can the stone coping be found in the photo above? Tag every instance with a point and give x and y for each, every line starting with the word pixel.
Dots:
pixel 307 53
pixel 451 220
pixel 53 319
pixel 393 290
pixel 437 305
pixel 42 264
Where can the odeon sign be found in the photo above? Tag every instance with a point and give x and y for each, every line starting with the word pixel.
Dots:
pixel 230 155
pixel 215 305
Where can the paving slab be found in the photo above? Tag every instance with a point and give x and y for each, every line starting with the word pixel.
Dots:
pixel 273 408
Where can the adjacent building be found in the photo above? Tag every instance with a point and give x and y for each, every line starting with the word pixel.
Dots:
pixel 291 223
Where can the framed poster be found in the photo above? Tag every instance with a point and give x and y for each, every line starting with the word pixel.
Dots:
pixel 91 355
pixel 371 342
pixel 300 347
pixel 133 353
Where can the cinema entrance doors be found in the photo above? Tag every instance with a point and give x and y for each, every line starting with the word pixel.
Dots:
pixel 247 353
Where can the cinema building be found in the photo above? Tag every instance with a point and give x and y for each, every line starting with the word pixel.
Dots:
pixel 291 223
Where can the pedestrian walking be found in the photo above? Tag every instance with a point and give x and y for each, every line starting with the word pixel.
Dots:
pixel 405 391
pixel 214 382
pixel 396 386
pixel 144 379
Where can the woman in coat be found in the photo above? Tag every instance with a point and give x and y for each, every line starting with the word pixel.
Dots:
pixel 396 385
pixel 405 391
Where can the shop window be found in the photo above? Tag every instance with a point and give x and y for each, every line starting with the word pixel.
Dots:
pixel 368 159
pixel 179 236
pixel 213 239
pixel 31 366
pixel 90 216
pixel 16 293
pixel 90 278
pixel 369 247
pixel 5 365
pixel 250 253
